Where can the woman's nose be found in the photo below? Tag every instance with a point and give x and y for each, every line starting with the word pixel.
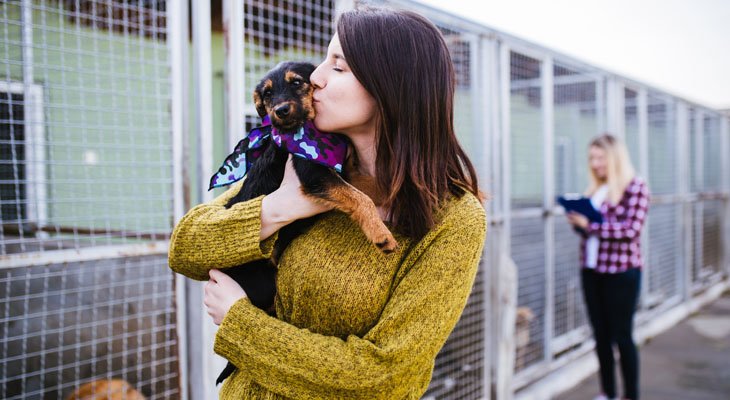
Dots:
pixel 316 78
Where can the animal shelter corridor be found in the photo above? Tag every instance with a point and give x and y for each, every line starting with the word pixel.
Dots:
pixel 114 114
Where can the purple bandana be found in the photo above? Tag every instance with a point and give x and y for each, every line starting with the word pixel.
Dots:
pixel 328 149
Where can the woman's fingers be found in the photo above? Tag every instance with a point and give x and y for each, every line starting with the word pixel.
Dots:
pixel 220 293
pixel 572 218
pixel 215 274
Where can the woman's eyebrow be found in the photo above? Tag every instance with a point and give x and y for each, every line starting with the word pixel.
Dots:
pixel 338 56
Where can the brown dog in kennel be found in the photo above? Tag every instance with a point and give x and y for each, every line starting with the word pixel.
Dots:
pixel 106 389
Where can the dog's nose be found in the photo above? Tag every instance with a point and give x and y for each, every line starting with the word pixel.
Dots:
pixel 282 111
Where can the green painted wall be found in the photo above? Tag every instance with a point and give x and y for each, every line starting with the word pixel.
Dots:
pixel 106 98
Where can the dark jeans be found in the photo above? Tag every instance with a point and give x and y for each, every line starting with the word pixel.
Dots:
pixel 611 301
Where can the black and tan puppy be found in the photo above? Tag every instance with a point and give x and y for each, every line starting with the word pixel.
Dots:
pixel 285 96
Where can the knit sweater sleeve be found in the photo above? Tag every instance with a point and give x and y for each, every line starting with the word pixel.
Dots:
pixel 213 236
pixel 425 305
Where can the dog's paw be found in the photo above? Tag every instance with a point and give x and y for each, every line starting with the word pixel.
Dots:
pixel 387 245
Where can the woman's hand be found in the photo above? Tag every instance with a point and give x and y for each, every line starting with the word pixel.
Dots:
pixel 578 220
pixel 221 292
pixel 287 204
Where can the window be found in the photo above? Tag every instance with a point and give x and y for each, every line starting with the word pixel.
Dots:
pixel 22 156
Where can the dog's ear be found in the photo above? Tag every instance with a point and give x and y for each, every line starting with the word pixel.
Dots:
pixel 307 69
pixel 258 101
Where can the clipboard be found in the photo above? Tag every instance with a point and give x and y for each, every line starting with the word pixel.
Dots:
pixel 581 205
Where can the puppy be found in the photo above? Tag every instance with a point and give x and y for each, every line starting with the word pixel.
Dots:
pixel 523 320
pixel 103 389
pixel 283 99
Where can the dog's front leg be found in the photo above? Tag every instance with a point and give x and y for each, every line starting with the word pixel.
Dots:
pixel 327 187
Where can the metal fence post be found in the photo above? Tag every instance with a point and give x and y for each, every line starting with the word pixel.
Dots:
pixel 680 125
pixel 177 26
pixel 725 178
pixel 234 43
pixel 490 89
pixel 642 113
pixel 505 148
pixel 615 108
pixel 548 132
pixel 482 75
pixel 684 273
pixel 697 177
pixel 201 329
pixel 502 95
pixel 603 100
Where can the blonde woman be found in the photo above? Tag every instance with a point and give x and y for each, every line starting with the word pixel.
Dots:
pixel 611 259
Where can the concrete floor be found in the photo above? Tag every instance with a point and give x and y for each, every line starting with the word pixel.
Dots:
pixel 690 361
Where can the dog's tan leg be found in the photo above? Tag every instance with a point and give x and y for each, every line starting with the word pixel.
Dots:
pixel 361 182
pixel 367 185
pixel 361 209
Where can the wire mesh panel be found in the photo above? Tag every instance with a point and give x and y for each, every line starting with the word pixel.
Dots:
pixel 86 162
pixel 710 211
pixel 695 150
pixel 631 125
pixel 577 121
pixel 528 252
pixel 470 136
pixel 527 181
pixel 711 237
pixel 664 255
pixel 70 323
pixel 711 155
pixel 663 141
pixel 283 31
pixel 695 257
pixel 526 131
pixel 706 259
pixel 664 240
pixel 85 158
pixel 705 154
pixel 569 308
pixel 459 369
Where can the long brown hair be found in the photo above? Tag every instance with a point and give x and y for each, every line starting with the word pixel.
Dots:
pixel 402 60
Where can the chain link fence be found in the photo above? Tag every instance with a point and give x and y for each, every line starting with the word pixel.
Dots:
pixel 85 198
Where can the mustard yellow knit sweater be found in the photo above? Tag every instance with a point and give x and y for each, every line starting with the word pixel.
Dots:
pixel 352 323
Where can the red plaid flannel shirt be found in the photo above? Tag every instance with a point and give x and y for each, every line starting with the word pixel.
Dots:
pixel 619 244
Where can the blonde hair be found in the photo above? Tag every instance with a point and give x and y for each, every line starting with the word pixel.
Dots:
pixel 619 170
